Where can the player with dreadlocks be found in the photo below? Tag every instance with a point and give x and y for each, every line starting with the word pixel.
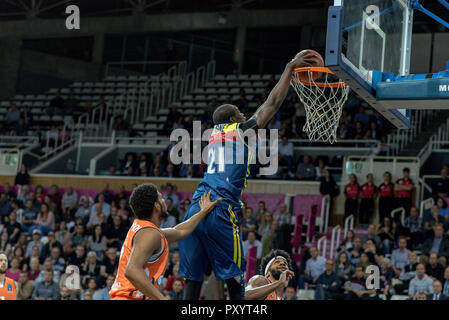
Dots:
pixel 273 277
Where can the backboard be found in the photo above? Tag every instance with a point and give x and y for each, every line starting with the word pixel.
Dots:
pixel 367 35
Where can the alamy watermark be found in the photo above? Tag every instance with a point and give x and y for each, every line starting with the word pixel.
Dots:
pixel 373 280
pixel 226 151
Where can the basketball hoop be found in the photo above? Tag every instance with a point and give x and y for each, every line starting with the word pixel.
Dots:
pixel 322 99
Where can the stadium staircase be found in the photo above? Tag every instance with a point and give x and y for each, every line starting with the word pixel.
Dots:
pixel 413 148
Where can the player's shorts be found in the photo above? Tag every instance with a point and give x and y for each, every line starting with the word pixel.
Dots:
pixel 217 241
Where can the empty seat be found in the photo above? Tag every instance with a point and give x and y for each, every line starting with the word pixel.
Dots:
pixel 231 77
pixel 266 77
pixel 219 77
pixel 5 103
pixel 138 126
pixel 243 77
pixel 255 77
pixel 77 84
pixel 56 118
pixel 258 84
pixel 200 97
pixel 245 84
pixel 233 84
pixel 211 90
pixel 121 78
pixel 44 118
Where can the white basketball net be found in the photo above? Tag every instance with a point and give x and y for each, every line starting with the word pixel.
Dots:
pixel 323 106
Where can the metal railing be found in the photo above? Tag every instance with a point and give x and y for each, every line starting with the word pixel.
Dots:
pixel 402 211
pixel 325 208
pixel 349 225
pixel 335 240
pixel 436 141
pixel 181 70
pixel 399 138
pixel 322 246
pixel 425 205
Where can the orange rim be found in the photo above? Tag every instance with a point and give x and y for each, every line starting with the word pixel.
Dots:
pixel 318 84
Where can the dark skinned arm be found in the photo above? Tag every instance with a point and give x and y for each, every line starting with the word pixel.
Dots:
pixel 182 230
pixel 146 242
pixel 274 101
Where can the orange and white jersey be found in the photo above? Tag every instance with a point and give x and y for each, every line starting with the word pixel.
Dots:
pixel 8 290
pixel 272 296
pixel 122 289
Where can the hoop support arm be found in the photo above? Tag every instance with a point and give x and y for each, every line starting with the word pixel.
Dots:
pixel 417 6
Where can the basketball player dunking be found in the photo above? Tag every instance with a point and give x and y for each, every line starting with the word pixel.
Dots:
pixel 7 286
pixel 273 277
pixel 144 255
pixel 216 241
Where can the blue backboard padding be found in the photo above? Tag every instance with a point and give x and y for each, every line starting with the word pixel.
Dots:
pixel 425 89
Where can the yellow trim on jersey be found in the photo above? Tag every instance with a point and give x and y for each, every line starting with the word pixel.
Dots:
pixel 235 232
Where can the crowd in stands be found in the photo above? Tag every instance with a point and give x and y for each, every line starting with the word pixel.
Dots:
pixel 51 236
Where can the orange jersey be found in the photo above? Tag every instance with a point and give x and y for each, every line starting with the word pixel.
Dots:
pixel 8 290
pixel 273 295
pixel 122 289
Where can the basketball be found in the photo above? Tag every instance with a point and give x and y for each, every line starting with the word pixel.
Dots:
pixel 319 62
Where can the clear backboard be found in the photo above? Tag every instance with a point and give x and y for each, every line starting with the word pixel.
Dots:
pixel 368 35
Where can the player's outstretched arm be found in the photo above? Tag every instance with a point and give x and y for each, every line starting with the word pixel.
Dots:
pixel 145 243
pixel 274 101
pixel 182 230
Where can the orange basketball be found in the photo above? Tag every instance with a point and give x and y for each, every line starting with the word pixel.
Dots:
pixel 318 62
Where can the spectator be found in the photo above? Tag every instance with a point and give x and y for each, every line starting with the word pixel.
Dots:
pixel 414 227
pixel 315 266
pixel 84 210
pixel 54 196
pixel 185 205
pixel 13 228
pixel 48 266
pixel 347 243
pixel 116 233
pixel 283 217
pixel 434 269
pixel 408 273
pixel 305 170
pixel 69 203
pixel 57 103
pixel 22 178
pixel 36 241
pixel 438 244
pixel 403 192
pixel 327 284
pixel 110 262
pixel 108 196
pixel 265 225
pixel 46 289
pixel 90 268
pixel 12 116
pixel 95 217
pixel 328 185
pixel 399 257
pixel 45 220
pixel 65 293
pixel 103 294
pixel 78 237
pixel 441 186
pixel 48 247
pixel 5 206
pixel 123 209
pixel 5 246
pixel 58 262
pixel 171 279
pixel 386 232
pixel 10 194
pixel 105 207
pixel 320 169
pixel 97 242
pixel 352 194
pixel 121 127
pixel 79 258
pixel 421 283
pixel 354 254
pixel 13 272
pixel 368 193
pixel 371 235
pixel 290 293
pixel 91 288
pixel 274 124
pixel 343 267
pixel 286 155
pixel 362 116
pixel 251 242
pixel 443 210
pixel 355 288
pixel 25 287
pixel 34 269
pixel 178 290
pixel 437 292
pixel 169 194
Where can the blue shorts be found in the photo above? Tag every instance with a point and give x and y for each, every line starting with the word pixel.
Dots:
pixel 216 240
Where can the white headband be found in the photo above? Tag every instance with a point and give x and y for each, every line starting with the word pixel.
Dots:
pixel 271 261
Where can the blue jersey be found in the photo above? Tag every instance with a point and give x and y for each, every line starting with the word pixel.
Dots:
pixel 229 159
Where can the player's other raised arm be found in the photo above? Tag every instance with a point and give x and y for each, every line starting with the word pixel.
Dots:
pixel 182 230
pixel 274 101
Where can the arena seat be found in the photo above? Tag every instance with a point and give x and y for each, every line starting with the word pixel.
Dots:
pixel 306 294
